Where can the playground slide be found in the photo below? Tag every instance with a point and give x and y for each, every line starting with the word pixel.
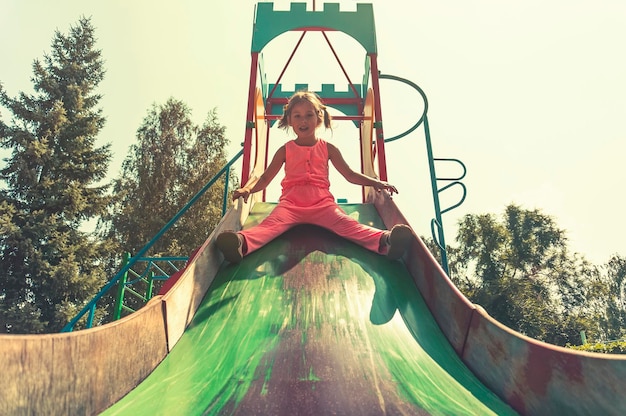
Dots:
pixel 312 325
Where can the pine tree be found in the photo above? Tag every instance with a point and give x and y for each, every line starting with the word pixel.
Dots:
pixel 49 266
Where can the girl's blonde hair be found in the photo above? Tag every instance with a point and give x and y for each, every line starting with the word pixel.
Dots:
pixel 316 102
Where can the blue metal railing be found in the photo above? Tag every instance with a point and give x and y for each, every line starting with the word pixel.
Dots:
pixel 90 307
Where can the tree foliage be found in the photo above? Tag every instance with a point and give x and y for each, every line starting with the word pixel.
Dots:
pixel 518 267
pixel 171 161
pixel 615 283
pixel 50 268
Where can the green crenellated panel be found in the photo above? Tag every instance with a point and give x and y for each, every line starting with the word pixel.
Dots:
pixel 328 91
pixel 263 77
pixel 270 23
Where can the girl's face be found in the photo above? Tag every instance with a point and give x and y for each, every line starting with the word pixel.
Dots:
pixel 304 119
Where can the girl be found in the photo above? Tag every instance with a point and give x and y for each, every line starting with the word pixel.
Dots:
pixel 305 194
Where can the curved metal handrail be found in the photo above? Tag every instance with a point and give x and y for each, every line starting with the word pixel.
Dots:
pixel 421 92
pixel 455 181
pixel 434 223
pixel 450 185
pixel 458 178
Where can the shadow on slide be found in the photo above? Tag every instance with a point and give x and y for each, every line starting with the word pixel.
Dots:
pixel 312 325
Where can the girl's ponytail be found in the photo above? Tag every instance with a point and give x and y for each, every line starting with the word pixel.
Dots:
pixel 327 117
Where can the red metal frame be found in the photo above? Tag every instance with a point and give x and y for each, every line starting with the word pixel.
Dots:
pixel 378 116
pixel 378 149
pixel 247 143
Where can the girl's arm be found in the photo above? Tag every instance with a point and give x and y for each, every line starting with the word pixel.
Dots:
pixel 355 177
pixel 265 179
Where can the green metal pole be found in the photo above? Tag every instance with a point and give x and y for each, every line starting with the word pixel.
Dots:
pixel 150 286
pixel 225 197
pixel 439 238
pixel 120 289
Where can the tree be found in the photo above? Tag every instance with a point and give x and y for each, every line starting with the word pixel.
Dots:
pixel 615 299
pixel 520 270
pixel 171 161
pixel 49 266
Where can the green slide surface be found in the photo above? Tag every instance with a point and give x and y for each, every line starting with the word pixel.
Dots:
pixel 312 324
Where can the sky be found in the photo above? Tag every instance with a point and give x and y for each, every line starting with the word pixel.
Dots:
pixel 529 95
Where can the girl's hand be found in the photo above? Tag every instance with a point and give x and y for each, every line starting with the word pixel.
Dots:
pixel 380 186
pixel 241 192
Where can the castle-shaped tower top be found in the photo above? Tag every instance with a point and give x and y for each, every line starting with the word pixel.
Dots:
pixel 269 23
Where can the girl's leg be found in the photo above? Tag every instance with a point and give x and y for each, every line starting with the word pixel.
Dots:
pixel 392 242
pixel 277 222
pixel 336 220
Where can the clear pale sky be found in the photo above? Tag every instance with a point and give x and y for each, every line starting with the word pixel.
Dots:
pixel 530 95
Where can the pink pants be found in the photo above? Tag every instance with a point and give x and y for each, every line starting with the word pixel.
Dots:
pixel 329 216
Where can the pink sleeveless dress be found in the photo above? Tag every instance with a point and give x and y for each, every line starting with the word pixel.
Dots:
pixel 306 199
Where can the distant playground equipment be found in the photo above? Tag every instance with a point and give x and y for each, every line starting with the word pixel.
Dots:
pixel 260 337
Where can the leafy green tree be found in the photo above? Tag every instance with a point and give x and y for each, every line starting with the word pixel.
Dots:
pixel 615 320
pixel 519 269
pixel 49 266
pixel 171 161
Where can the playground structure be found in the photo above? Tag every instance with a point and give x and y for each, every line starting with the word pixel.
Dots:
pixel 431 352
